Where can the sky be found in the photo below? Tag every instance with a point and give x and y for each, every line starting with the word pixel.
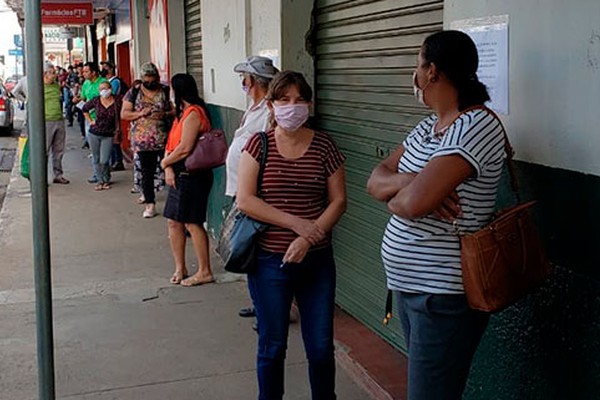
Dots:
pixel 10 26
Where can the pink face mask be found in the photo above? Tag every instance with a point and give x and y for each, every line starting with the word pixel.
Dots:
pixel 291 117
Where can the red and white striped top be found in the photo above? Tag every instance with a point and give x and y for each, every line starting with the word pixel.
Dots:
pixel 297 186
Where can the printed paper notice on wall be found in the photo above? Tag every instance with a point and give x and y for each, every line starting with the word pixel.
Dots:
pixel 490 34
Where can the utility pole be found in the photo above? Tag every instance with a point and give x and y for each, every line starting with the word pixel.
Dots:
pixel 39 201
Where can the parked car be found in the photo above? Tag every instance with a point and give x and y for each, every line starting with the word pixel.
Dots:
pixel 6 110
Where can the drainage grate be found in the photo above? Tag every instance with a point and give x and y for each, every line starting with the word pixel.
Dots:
pixel 7 159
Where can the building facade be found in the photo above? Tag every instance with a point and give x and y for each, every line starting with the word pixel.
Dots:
pixel 360 55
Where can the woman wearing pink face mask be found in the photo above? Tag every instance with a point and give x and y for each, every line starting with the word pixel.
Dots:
pixel 302 197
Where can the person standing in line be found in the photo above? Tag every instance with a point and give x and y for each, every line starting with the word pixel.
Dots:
pixel 444 177
pixel 70 81
pixel 104 131
pixel 118 88
pixel 55 124
pixel 302 197
pixel 89 91
pixel 20 93
pixel 149 109
pixel 256 74
pixel 187 199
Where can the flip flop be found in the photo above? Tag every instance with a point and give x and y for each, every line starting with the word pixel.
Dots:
pixel 194 281
pixel 176 278
pixel 99 187
pixel 106 186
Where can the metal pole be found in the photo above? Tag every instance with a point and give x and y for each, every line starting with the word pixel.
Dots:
pixel 39 200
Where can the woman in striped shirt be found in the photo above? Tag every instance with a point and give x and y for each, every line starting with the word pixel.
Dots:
pixel 302 197
pixel 445 174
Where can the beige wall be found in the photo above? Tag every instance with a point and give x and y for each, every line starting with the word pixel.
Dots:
pixel 141 47
pixel 295 23
pixel 554 78
pixel 176 23
pixel 264 30
pixel 235 29
pixel 224 44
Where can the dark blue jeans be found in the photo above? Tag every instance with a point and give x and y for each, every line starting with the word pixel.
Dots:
pixel 273 287
pixel 442 334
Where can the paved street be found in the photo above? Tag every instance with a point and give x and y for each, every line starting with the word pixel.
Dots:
pixel 121 330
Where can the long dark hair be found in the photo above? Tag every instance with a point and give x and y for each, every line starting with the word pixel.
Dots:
pixel 185 88
pixel 455 54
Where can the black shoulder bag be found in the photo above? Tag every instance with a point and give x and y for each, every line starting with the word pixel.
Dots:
pixel 240 233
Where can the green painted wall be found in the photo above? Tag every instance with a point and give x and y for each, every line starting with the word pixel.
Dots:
pixel 227 119
pixel 547 347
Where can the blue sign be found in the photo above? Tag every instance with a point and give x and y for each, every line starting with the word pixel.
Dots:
pixel 15 52
pixel 18 40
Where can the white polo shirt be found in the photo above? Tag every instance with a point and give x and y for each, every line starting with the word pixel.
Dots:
pixel 255 119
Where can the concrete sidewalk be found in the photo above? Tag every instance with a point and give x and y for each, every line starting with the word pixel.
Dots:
pixel 121 330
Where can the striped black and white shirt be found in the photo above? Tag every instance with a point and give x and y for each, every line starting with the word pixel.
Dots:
pixel 423 255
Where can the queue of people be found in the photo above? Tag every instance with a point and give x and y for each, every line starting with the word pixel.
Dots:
pixel 444 175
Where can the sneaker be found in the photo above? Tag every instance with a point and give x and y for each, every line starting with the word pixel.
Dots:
pixel 247 312
pixel 149 211
pixel 85 145
pixel 118 166
pixel 93 179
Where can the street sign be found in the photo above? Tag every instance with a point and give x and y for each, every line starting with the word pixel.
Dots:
pixel 18 40
pixel 15 52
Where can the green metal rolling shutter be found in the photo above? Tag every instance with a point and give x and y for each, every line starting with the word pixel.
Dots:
pixel 193 41
pixel 365 56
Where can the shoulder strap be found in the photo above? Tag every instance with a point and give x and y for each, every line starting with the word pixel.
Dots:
pixel 512 170
pixel 263 159
pixel 135 91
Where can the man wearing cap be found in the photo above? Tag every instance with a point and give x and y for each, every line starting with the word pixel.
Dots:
pixel 256 73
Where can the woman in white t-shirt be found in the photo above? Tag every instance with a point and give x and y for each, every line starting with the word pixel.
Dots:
pixel 446 172
pixel 256 74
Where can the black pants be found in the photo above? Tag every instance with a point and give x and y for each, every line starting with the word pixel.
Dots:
pixel 148 163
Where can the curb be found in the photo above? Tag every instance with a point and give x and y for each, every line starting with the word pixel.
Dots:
pixel 376 366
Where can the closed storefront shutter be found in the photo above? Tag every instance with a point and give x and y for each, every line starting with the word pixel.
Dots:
pixel 193 41
pixel 366 53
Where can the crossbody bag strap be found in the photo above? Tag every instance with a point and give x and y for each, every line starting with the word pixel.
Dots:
pixel 510 163
pixel 263 160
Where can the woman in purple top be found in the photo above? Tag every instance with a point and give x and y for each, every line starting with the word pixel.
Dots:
pixel 104 131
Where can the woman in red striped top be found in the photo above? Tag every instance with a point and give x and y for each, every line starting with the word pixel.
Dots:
pixel 302 197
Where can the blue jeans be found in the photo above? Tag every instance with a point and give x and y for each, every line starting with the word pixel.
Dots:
pixel 442 334
pixel 101 147
pixel 272 287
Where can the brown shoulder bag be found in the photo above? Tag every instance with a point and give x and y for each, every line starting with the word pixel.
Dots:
pixel 505 260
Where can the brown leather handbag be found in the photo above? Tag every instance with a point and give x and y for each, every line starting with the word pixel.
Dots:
pixel 505 260
pixel 209 152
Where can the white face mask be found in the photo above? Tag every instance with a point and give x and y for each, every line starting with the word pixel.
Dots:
pixel 105 93
pixel 419 93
